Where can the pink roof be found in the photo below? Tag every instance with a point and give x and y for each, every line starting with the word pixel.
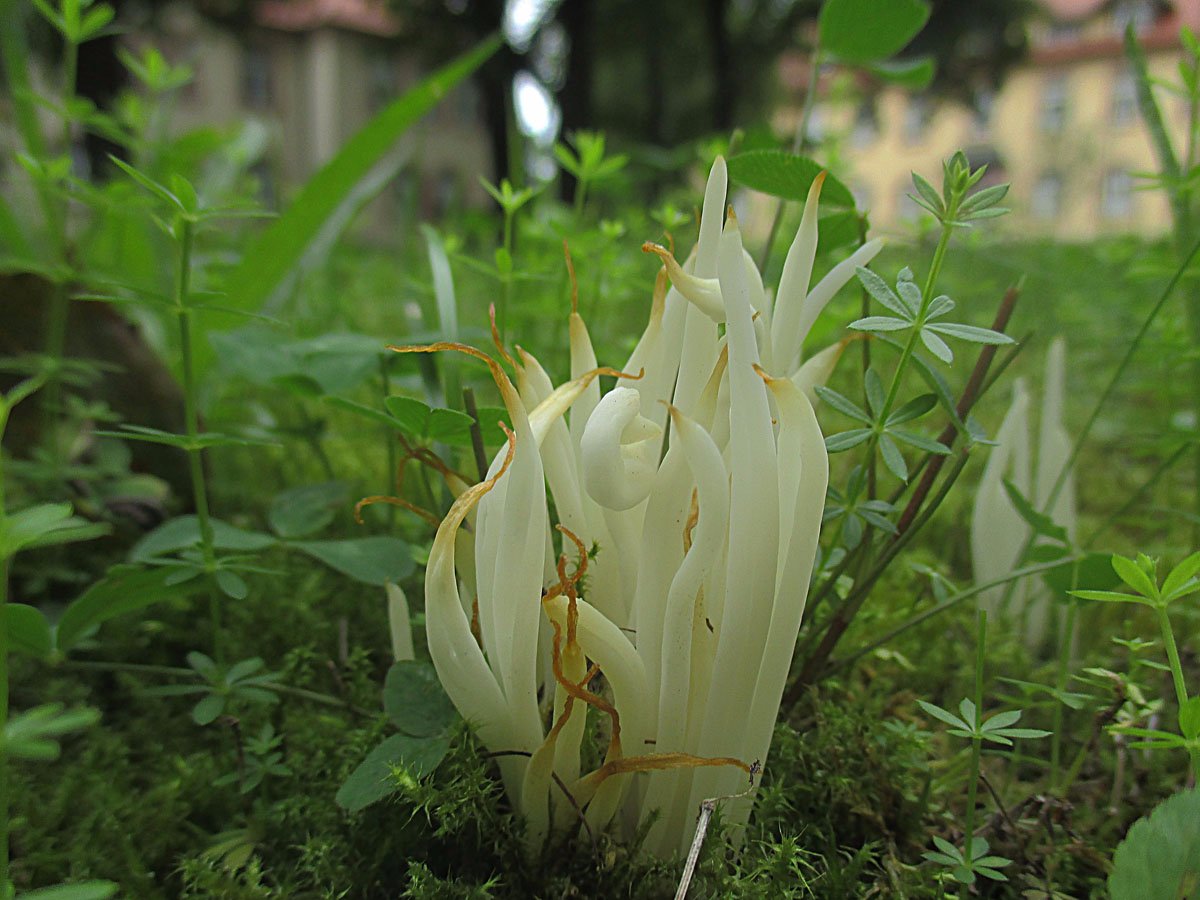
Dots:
pixel 1071 10
pixel 366 16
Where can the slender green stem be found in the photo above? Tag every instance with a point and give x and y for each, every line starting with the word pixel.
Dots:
pixel 976 742
pixel 910 346
pixel 4 640
pixel 57 314
pixel 1065 640
pixel 389 444
pixel 799 145
pixel 191 417
pixel 180 672
pixel 1181 694
pixel 1168 635
pixel 506 292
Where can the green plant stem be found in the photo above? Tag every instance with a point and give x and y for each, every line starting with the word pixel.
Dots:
pixel 1181 694
pixel 4 639
pixel 57 314
pixel 179 672
pixel 389 445
pixel 1065 640
pixel 192 423
pixel 506 292
pixel 799 145
pixel 976 742
pixel 1168 636
pixel 935 269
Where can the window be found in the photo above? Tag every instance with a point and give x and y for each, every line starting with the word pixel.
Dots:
pixel 906 208
pixel 866 125
pixel 1124 99
pixel 917 115
pixel 1054 103
pixel 816 125
pixel 383 81
pixel 1116 201
pixel 1138 13
pixel 1047 196
pixel 981 110
pixel 1063 32
pixel 862 196
pixel 256 77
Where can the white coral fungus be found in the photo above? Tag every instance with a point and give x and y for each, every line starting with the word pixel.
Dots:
pixel 691 607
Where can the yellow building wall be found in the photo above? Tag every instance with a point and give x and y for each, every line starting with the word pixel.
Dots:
pixel 1088 146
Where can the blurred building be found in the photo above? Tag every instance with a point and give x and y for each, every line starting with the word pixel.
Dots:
pixel 1063 129
pixel 314 72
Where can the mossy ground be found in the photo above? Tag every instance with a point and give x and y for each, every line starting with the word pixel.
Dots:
pixel 858 782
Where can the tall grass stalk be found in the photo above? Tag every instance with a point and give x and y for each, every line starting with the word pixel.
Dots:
pixel 192 424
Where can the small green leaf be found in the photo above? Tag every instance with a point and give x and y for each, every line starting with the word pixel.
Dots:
pixel 1134 576
pixel 415 701
pixel 943 715
pixel 124 589
pixel 873 387
pixel 914 74
pixel 843 404
pixel 449 426
pixel 892 457
pixel 866 31
pixel 786 175
pixel 937 346
pixel 913 409
pixel 372 560
pixel 971 333
pixel 1041 524
pixel 231 584
pixel 879 290
pixel 966 709
pixel 1180 576
pixel 837 443
pixel 879 323
pixel 929 445
pixel 1111 597
pixel 1002 720
pixel 183 533
pixel 374 780
pixel 83 890
pixel 411 415
pixel 206 711
pixel 301 511
pixel 28 630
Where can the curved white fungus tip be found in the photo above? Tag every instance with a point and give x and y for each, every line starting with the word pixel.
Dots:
pixel 620 451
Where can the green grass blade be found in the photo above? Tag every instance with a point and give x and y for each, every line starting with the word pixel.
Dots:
pixel 283 246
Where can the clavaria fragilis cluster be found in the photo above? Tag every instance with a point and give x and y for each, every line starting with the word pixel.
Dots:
pixel 691 608
pixel 999 533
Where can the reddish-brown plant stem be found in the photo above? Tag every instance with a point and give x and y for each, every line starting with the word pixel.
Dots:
pixel 966 402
